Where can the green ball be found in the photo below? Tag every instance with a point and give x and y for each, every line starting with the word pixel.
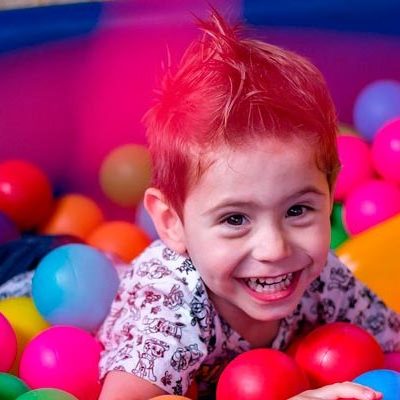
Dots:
pixel 46 394
pixel 338 232
pixel 11 387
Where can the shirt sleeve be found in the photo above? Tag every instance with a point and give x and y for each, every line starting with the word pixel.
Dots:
pixel 150 331
pixel 342 297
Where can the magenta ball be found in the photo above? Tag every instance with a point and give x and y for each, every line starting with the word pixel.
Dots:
pixel 369 204
pixel 392 361
pixel 386 151
pixel 356 165
pixel 8 344
pixel 63 357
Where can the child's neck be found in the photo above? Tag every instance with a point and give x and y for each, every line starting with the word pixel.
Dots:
pixel 256 333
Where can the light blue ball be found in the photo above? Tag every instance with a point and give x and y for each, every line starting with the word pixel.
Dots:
pixel 383 380
pixel 376 104
pixel 75 285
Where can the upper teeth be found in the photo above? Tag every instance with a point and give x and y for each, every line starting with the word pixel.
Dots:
pixel 270 284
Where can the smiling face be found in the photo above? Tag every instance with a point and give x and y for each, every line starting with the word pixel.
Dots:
pixel 257 227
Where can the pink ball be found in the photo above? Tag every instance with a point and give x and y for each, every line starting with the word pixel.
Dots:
pixel 386 151
pixel 63 357
pixel 8 344
pixel 371 203
pixel 355 157
pixel 392 361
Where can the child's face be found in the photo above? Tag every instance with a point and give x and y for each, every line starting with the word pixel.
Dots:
pixel 257 226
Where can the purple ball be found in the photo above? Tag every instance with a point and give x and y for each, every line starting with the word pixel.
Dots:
pixel 377 103
pixel 8 230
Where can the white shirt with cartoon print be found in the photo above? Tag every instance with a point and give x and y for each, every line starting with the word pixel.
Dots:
pixel 163 328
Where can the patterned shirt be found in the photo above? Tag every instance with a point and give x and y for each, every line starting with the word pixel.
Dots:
pixel 163 327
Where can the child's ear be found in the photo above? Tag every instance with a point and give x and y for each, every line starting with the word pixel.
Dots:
pixel 166 220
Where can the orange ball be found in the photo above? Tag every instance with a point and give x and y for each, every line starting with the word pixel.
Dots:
pixel 73 214
pixel 125 174
pixel 122 238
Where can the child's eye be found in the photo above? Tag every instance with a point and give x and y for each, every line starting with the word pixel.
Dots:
pixel 235 220
pixel 297 210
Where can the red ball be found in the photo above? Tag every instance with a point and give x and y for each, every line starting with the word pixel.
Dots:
pixel 337 352
pixel 261 374
pixel 25 193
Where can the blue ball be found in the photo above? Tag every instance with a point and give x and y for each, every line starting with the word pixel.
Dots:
pixel 383 380
pixel 377 103
pixel 74 285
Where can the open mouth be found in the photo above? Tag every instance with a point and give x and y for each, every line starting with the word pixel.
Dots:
pixel 273 287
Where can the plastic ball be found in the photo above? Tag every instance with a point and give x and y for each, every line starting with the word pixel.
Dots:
pixel 125 174
pixel 337 352
pixel 63 357
pixel 383 380
pixel 122 238
pixel 8 229
pixel 75 284
pixel 376 104
pixel 25 193
pixel 338 232
pixel 386 151
pixel 373 257
pixel 261 374
pixel 392 361
pixel 73 214
pixel 11 387
pixel 371 203
pixel 143 219
pixel 26 321
pixel 47 394
pixel 356 165
pixel 8 344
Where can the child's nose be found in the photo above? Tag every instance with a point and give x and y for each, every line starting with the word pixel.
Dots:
pixel 271 244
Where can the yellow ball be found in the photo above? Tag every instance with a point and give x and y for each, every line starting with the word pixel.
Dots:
pixel 125 174
pixel 373 256
pixel 25 320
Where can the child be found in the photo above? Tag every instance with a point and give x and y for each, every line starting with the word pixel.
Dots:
pixel 243 146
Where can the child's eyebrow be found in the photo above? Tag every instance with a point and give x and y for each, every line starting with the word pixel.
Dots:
pixel 226 203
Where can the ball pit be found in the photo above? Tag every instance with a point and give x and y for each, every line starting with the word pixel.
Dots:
pixel 337 352
pixel 75 284
pixel 63 357
pixel 261 374
pixel 8 344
